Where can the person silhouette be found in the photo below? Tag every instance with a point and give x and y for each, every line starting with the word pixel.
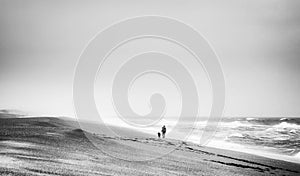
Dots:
pixel 163 131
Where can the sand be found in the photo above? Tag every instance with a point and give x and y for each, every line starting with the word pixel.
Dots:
pixel 52 146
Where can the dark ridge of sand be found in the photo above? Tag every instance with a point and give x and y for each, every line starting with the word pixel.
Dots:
pixel 53 146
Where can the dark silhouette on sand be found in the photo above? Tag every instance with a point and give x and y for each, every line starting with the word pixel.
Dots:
pixel 163 131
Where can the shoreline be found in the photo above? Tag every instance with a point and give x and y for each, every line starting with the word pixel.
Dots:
pixel 217 143
pixel 53 146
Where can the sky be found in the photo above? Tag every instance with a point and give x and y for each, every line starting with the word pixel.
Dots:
pixel 258 44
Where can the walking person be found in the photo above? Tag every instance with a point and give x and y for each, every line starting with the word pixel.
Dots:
pixel 163 131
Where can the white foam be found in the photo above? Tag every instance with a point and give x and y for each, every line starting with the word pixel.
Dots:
pixel 225 145
pixel 250 118
pixel 236 135
pixel 234 124
pixel 286 125
pixel 297 155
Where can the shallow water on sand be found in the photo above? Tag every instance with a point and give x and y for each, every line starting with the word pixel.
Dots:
pixel 277 138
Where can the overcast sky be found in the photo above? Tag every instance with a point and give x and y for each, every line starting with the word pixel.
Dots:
pixel 258 43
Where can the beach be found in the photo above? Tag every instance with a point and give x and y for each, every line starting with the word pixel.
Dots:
pixel 54 146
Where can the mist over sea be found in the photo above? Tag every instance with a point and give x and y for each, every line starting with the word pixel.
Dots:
pixel 277 138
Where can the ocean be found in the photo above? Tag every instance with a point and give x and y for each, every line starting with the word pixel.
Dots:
pixel 277 138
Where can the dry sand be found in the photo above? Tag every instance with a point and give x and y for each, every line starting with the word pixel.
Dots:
pixel 52 146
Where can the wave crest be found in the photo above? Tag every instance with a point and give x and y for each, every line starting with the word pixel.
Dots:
pixel 287 125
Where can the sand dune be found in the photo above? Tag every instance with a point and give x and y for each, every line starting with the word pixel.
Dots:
pixel 52 146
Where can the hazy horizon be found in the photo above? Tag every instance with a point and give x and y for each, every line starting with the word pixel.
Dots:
pixel 257 43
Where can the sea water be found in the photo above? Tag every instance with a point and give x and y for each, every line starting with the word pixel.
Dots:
pixel 277 138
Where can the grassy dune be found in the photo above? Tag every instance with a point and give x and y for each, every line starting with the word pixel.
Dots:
pixel 53 146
